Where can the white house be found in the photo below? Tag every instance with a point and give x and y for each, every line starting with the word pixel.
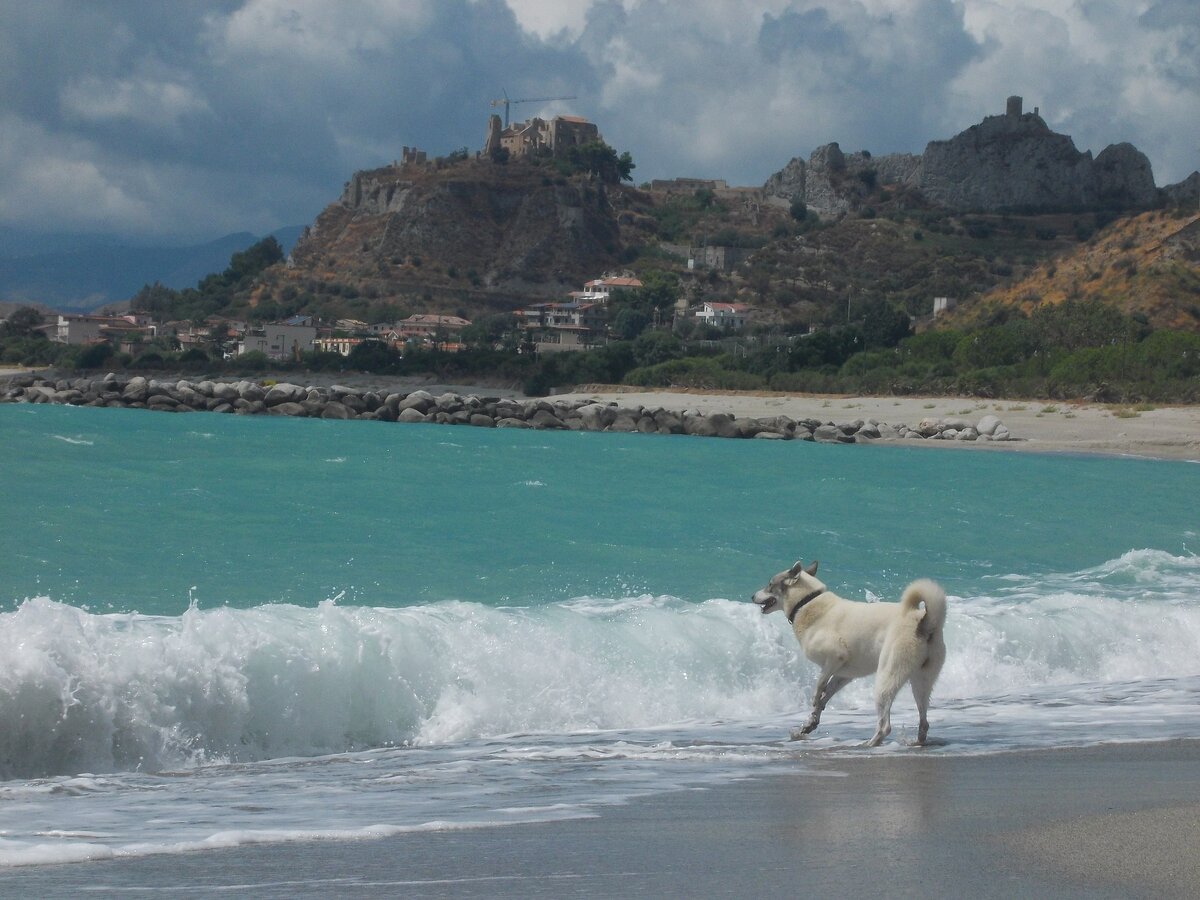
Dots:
pixel 724 315
pixel 600 290
pixel 340 345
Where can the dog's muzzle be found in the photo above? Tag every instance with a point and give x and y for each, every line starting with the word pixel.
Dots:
pixel 766 602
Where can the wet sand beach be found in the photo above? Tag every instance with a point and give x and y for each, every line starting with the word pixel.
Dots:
pixel 1120 820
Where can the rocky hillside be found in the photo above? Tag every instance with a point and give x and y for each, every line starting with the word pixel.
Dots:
pixel 1006 163
pixel 1147 264
pixel 469 232
pixel 979 214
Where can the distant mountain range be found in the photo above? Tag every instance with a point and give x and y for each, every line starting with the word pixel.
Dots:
pixel 71 272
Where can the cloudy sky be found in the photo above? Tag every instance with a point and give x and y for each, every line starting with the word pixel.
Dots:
pixel 187 119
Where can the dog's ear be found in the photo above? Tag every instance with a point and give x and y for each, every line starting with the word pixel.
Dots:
pixel 812 568
pixel 796 569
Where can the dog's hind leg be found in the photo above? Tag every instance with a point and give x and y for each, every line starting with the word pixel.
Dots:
pixel 889 678
pixel 922 687
pixel 883 709
pixel 922 683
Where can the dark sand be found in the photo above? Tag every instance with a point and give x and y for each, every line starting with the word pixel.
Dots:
pixel 1114 821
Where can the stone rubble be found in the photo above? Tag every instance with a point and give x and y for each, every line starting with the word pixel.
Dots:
pixel 337 402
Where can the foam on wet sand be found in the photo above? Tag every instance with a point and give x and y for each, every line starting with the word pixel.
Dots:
pixel 1118 820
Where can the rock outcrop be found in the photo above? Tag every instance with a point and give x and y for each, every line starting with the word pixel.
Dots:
pixel 508 225
pixel 832 182
pixel 1007 162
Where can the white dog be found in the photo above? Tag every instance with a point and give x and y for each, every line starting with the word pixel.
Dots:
pixel 898 642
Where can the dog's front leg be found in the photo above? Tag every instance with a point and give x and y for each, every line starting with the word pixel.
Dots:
pixel 821 695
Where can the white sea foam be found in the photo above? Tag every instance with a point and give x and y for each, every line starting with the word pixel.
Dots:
pixel 73 440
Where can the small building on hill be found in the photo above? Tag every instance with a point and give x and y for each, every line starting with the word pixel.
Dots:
pixel 600 290
pixel 559 327
pixel 429 325
pixel 280 340
pixel 724 315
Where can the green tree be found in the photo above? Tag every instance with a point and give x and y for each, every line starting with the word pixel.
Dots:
pixel 884 325
pixel 1000 345
pixel 598 159
pixel 24 322
pixel 95 356
pixel 653 347
pixel 659 290
pixel 629 321
pixel 373 356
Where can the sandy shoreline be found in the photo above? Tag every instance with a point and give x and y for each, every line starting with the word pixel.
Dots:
pixel 1120 820
pixel 1151 431
pixel 1164 432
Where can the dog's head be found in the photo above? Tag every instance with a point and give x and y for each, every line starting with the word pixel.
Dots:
pixel 789 588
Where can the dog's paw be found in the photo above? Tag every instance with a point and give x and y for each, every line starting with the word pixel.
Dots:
pixel 798 734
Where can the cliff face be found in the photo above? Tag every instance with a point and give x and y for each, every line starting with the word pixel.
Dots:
pixel 833 182
pixel 509 226
pixel 1007 162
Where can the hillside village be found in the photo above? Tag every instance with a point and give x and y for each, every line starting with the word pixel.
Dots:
pixel 535 245
pixel 579 322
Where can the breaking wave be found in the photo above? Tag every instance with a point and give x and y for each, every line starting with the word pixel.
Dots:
pixel 87 692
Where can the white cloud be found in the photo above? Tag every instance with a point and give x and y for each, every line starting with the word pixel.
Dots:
pixel 141 100
pixel 44 179
pixel 551 18
pixel 318 30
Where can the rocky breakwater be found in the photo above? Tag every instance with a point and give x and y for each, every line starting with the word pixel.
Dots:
pixel 253 398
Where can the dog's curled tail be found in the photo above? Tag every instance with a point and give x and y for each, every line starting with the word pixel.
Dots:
pixel 931 594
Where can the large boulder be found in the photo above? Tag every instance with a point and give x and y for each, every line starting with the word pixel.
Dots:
pixel 288 408
pixel 545 419
pixel 137 390
pixel 336 410
pixel 597 416
pixel 827 434
pixel 421 401
pixel 411 414
pixel 988 425
pixel 285 393
pixel 698 425
pixel 248 390
pixel 724 425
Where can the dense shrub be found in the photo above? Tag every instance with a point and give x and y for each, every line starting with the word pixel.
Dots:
pixel 1000 345
pixel 695 372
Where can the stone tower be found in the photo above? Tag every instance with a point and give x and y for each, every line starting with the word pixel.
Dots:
pixel 491 144
pixel 1013 110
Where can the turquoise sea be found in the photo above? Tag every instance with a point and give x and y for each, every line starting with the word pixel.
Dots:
pixel 219 629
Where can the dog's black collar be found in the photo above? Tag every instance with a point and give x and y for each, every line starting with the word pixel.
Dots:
pixel 795 609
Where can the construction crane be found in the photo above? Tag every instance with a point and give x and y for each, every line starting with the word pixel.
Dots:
pixel 506 102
